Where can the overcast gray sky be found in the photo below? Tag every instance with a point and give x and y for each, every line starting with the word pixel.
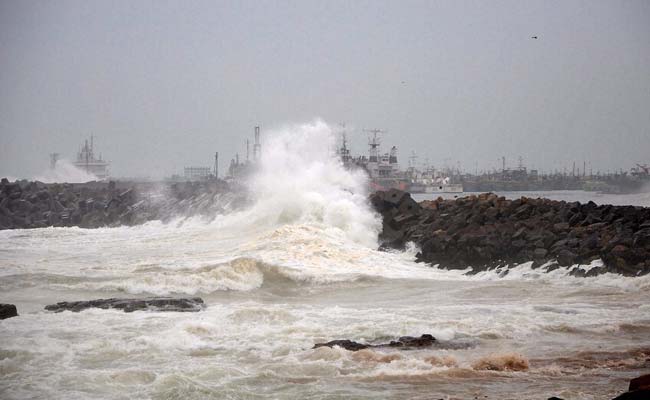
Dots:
pixel 163 85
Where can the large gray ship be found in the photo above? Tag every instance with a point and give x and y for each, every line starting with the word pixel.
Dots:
pixel 87 162
pixel 384 170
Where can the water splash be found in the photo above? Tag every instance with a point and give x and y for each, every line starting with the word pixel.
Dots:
pixel 300 181
pixel 65 172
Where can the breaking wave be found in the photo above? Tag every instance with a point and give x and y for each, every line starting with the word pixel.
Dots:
pixel 65 172
pixel 300 181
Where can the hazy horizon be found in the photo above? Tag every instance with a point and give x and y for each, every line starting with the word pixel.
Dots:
pixel 163 85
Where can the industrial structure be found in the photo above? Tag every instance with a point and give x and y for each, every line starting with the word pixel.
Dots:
pixel 384 169
pixel 240 169
pixel 197 173
pixel 87 162
pixel 54 158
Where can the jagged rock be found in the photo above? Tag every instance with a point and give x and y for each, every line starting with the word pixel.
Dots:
pixel 486 231
pixel 345 344
pixel 566 258
pixel 643 394
pixel 540 253
pixel 404 342
pixel 8 311
pixel 641 382
pixel 130 305
pixel 639 389
pixel 410 341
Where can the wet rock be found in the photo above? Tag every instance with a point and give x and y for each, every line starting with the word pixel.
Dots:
pixel 346 344
pixel 566 258
pixel 410 341
pixel 404 342
pixel 8 311
pixel 639 389
pixel 129 305
pixel 486 232
pixel 642 382
pixel 540 253
pixel 643 394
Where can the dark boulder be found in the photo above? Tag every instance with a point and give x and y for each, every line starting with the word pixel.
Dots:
pixel 566 258
pixel 642 382
pixel 404 343
pixel 346 344
pixel 643 394
pixel 8 311
pixel 129 305
pixel 410 341
pixel 395 197
pixel 639 389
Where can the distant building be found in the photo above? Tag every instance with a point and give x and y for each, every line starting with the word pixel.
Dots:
pixel 86 161
pixel 197 173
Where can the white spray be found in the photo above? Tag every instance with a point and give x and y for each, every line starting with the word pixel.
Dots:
pixel 65 172
pixel 300 181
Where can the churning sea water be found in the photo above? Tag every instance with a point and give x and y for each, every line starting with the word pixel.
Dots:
pixel 298 267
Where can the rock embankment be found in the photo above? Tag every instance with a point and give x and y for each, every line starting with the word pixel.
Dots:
pixel 25 204
pixel 488 231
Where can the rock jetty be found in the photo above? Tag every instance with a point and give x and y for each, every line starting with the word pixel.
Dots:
pixel 182 304
pixel 488 231
pixel 25 204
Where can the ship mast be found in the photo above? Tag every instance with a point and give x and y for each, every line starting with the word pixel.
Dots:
pixel 257 146
pixel 344 152
pixel 373 143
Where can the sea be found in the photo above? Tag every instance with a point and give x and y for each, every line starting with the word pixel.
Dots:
pixel 301 266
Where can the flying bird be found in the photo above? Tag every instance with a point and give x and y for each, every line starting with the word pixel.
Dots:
pixel 533 37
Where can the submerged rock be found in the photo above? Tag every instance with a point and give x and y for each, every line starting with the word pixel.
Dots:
pixel 182 304
pixel 404 342
pixel 346 344
pixel 8 311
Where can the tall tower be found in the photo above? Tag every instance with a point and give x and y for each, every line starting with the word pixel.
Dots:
pixel 373 144
pixel 392 159
pixel 257 147
pixel 216 165
pixel 54 157
pixel 344 152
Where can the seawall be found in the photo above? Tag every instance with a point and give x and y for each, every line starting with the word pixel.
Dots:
pixel 488 232
pixel 25 204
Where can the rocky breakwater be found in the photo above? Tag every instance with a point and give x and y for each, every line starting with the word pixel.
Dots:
pixel 488 231
pixel 25 204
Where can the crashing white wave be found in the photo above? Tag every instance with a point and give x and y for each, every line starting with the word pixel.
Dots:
pixel 299 181
pixel 65 172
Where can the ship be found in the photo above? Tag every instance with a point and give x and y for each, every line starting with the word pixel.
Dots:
pixel 87 162
pixel 429 182
pixel 384 170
